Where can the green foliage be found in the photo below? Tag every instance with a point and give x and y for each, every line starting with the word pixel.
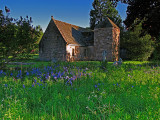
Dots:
pixel 143 9
pixel 101 10
pixel 156 53
pixel 138 47
pixel 39 29
pixel 17 37
pixel 103 65
pixel 128 92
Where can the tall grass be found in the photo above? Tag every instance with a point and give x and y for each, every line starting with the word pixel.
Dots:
pixel 81 90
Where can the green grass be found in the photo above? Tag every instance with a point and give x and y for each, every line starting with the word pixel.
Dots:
pixel 128 92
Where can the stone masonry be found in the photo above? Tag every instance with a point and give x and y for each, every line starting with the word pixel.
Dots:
pixel 66 42
pixel 52 45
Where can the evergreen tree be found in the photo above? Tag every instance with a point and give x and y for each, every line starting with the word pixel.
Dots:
pixel 138 47
pixel 101 10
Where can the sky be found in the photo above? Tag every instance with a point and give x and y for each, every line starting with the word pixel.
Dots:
pixel 75 12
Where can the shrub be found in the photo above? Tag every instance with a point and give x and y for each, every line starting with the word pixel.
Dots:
pixel 138 47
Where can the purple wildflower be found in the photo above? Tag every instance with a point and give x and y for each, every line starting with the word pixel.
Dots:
pixel 35 80
pixel 6 85
pixel 27 73
pixel 11 74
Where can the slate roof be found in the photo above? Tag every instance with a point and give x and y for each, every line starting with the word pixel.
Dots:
pixel 72 34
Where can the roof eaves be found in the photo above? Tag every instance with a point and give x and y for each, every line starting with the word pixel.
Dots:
pixel 112 23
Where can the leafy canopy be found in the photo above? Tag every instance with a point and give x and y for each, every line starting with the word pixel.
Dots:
pixel 17 37
pixel 101 10
pixel 147 11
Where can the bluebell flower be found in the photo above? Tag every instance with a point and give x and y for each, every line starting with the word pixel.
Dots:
pixel 18 76
pixel 99 83
pixel 47 77
pixel 32 85
pixel 70 82
pixel 62 73
pixel 71 79
pixel 74 77
pixel 23 86
pixel 11 74
pixel 59 75
pixel 98 89
pixel 117 84
pixel 113 84
pixel 35 80
pixel 52 73
pixel 27 73
pixel 6 85
pixel 95 86
pixel 1 71
pixel 132 86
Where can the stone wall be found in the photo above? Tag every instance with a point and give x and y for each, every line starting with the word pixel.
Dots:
pixel 103 42
pixel 52 46
pixel 80 53
pixel 107 39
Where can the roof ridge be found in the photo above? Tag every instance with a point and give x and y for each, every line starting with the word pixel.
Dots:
pixel 65 30
pixel 67 23
pixel 113 24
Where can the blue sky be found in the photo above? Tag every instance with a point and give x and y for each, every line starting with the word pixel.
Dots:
pixel 71 11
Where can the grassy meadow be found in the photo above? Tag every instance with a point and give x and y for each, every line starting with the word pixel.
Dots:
pixel 80 91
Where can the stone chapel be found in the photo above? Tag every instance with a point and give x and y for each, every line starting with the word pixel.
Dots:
pixel 66 42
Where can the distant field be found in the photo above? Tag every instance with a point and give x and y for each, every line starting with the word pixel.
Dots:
pixel 80 90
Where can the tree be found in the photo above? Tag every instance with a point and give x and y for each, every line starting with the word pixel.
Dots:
pixel 147 11
pixel 17 38
pixel 39 29
pixel 27 36
pixel 101 10
pixel 138 47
